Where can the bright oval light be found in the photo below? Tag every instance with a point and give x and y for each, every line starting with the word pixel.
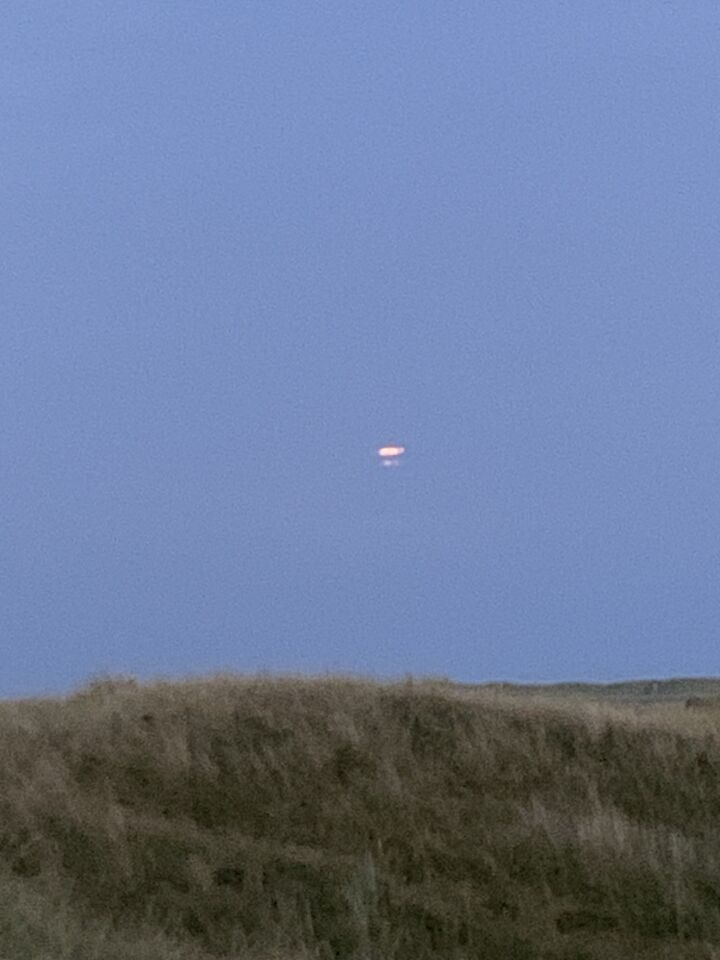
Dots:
pixel 391 451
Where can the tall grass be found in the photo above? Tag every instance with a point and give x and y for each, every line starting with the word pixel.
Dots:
pixel 289 818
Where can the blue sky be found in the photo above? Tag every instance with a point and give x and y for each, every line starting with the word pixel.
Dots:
pixel 244 244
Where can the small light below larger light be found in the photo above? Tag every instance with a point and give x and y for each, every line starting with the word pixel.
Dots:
pixel 390 455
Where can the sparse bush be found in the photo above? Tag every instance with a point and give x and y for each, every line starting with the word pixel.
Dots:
pixel 107 685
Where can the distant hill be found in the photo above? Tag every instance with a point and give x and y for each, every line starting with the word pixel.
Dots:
pixel 631 691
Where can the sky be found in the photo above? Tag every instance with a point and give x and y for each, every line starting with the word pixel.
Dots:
pixel 247 243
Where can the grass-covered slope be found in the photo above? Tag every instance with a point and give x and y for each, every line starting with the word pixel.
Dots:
pixel 291 818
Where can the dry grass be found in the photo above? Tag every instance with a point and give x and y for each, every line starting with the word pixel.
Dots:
pixel 291 818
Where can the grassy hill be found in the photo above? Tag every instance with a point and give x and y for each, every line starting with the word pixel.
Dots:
pixel 280 818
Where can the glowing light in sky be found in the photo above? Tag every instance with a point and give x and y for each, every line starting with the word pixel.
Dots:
pixel 391 454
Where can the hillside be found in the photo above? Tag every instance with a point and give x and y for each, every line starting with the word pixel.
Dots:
pixel 279 818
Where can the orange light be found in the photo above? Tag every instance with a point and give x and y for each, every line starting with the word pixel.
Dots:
pixel 391 451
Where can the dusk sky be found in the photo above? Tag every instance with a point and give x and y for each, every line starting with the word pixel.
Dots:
pixel 244 244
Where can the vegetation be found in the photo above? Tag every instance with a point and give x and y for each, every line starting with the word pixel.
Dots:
pixel 286 818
